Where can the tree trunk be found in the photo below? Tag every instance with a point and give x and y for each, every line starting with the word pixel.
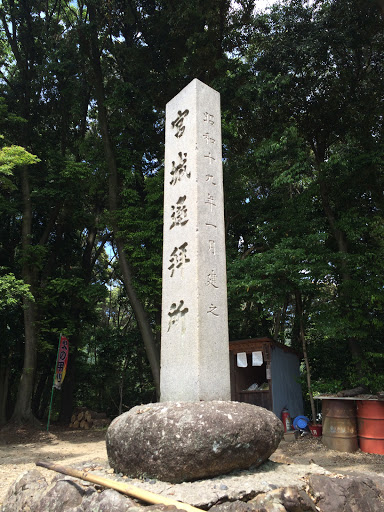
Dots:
pixel 299 311
pixel 38 394
pixel 276 324
pixel 23 407
pixel 121 391
pixel 109 151
pixel 342 245
pixel 25 64
pixel 140 315
pixel 4 383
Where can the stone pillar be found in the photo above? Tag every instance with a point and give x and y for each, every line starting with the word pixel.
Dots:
pixel 194 341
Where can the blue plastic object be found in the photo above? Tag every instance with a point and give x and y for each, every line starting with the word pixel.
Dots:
pixel 300 422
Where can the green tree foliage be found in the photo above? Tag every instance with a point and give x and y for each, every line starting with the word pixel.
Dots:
pixel 13 291
pixel 116 371
pixel 53 210
pixel 10 157
pixel 312 180
pixel 84 86
pixel 163 46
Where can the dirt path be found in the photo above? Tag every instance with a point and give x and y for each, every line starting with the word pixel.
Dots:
pixel 19 450
pixel 308 449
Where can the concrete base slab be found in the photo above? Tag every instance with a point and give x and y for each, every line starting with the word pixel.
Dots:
pixel 238 485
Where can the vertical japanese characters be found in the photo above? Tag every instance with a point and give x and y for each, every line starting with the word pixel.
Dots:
pixel 194 316
pixel 178 175
pixel 210 157
pixel 179 218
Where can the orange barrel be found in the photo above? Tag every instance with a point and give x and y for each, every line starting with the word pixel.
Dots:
pixel 339 425
pixel 370 426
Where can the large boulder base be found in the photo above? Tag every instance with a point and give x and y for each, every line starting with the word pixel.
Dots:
pixel 184 441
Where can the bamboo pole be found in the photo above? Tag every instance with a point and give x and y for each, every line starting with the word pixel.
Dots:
pixel 130 490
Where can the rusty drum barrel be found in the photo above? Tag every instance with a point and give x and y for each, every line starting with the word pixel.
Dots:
pixel 339 425
pixel 370 426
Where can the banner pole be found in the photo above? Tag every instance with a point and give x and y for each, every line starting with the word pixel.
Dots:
pixel 53 383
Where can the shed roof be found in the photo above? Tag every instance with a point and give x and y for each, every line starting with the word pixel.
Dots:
pixel 249 345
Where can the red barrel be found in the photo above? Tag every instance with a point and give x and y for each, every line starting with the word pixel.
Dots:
pixel 370 426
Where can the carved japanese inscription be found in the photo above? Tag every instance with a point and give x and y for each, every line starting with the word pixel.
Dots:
pixel 178 123
pixel 178 257
pixel 176 313
pixel 179 215
pixel 194 328
pixel 179 168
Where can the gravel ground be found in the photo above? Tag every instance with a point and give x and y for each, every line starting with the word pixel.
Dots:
pixel 20 449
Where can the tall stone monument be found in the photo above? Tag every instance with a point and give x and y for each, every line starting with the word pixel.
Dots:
pixel 194 341
pixel 195 431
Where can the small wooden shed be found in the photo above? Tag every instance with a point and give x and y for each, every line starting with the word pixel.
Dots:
pixel 266 373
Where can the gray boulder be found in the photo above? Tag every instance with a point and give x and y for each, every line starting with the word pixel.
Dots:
pixel 183 441
pixel 63 494
pixel 25 492
pixel 287 499
pixel 284 499
pixel 31 493
pixel 235 506
pixel 348 493
pixel 106 501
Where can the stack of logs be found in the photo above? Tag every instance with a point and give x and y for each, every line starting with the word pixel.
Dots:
pixel 86 419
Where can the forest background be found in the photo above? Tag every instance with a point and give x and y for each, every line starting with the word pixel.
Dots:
pixel 83 91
